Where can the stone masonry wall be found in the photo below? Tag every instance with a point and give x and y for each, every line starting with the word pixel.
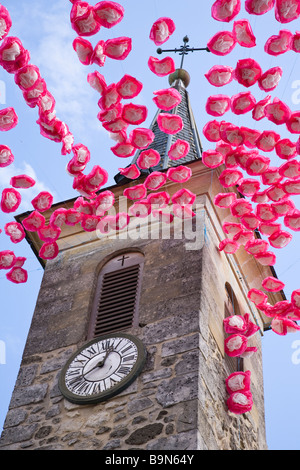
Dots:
pixel 179 399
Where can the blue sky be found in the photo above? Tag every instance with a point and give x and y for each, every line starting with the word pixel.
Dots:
pixel 45 30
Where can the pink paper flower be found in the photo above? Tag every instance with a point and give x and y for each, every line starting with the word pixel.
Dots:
pixel 254 247
pixel 228 246
pixel 269 80
pixel 240 207
pixel 211 131
pixel 295 44
pixel 231 134
pixel 18 275
pixel 293 123
pixel 250 221
pixel 266 213
pixel 10 200
pixel 131 172
pixel 234 324
pixel 235 344
pixel 291 186
pixel 250 136
pixel 103 202
pixel 83 49
pixel 141 138
pixel 267 141
pixel 258 112
pixel 13 55
pixel 238 381
pixel 225 10
pixel 248 186
pixel 283 207
pixel 108 14
pixel 49 251
pixel 259 7
pixel 218 105
pixel 243 33
pixel 224 199
pixel 292 220
pixel 267 228
pixel 276 192
pixel 160 199
pixel 266 259
pixel 97 81
pixel 123 150
pixel 286 11
pixel 134 114
pixel 220 75
pixel 271 176
pixel 230 177
pixel 183 197
pixel 8 119
pixel 277 112
pixel 148 159
pixel 118 48
pixel 281 326
pixel 15 231
pixel 222 43
pixel 247 72
pixel 161 30
pixel 232 228
pixel 49 233
pixel 129 87
pixel 280 239
pixel 7 259
pixel 135 192
pixel 286 149
pixel 240 403
pixel 6 156
pixel 155 180
pixel 83 19
pixel 169 123
pixel 242 103
pixel 257 165
pixel 140 209
pixel 179 174
pixel 243 237
pixel 162 67
pixel 279 44
pixel 167 99
pixel 99 56
pixel 272 284
pixel 179 149
pixel 43 201
pixel 34 221
pixel 22 181
pixel 5 21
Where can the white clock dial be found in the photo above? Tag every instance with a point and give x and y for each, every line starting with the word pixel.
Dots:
pixel 102 366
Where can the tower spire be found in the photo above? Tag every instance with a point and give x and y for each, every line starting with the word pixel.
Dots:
pixel 162 142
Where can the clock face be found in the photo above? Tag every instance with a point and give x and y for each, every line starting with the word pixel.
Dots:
pixel 102 368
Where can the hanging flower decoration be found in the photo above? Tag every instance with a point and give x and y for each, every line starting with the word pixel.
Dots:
pixel 161 30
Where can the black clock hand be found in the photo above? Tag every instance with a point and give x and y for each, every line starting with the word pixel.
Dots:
pixel 101 363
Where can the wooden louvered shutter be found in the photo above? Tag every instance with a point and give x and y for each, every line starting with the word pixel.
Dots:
pixel 116 301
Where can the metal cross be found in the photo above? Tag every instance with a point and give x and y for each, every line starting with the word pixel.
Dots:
pixel 184 50
pixel 123 259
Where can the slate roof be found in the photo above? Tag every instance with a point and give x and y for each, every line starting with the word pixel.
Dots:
pixel 163 141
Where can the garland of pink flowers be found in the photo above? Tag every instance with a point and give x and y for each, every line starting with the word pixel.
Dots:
pixel 238 149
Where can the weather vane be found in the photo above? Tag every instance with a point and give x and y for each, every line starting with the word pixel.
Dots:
pixel 183 50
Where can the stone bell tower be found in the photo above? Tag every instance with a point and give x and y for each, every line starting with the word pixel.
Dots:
pixel 167 287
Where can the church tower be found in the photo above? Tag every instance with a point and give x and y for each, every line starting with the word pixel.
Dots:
pixel 126 345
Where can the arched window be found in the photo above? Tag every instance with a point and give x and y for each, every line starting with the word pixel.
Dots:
pixel 115 306
pixel 231 307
